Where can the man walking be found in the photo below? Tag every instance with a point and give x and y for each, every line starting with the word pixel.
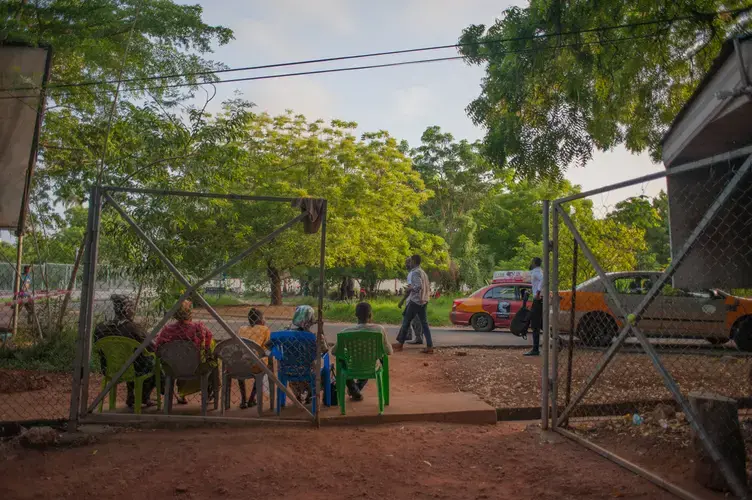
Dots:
pixel 414 327
pixel 417 295
pixel 536 311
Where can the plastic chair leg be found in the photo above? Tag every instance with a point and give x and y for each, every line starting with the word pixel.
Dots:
pixel 158 383
pixel 101 403
pixel 341 383
pixel 281 396
pixel 215 376
pixel 169 386
pixel 204 393
pixel 138 393
pixel 225 395
pixel 380 390
pixel 113 397
pixel 259 381
pixel 272 394
pixel 327 381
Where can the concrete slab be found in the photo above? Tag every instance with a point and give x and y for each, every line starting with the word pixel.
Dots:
pixel 454 407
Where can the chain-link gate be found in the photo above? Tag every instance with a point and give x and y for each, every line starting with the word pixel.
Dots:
pixel 198 310
pixel 652 363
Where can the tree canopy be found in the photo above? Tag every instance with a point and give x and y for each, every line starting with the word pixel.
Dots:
pixel 559 86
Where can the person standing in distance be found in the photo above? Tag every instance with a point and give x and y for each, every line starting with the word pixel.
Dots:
pixel 536 311
pixel 417 295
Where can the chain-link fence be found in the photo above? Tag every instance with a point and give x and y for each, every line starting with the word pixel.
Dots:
pixel 215 308
pixel 653 328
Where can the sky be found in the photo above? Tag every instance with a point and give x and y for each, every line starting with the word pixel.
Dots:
pixel 402 100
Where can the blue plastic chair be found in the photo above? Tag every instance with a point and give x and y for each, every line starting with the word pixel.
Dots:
pixel 295 352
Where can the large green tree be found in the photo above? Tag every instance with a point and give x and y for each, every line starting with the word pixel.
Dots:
pixel 459 178
pixel 558 87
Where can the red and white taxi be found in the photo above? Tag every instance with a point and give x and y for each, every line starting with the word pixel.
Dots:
pixel 495 305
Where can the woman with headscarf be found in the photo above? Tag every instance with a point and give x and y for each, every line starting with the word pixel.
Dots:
pixel 184 328
pixel 303 319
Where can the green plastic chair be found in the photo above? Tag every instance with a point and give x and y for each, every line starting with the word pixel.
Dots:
pixel 116 351
pixel 357 356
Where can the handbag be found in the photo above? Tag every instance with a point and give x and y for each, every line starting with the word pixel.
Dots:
pixel 521 320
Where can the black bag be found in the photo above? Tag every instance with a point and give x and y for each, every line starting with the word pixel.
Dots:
pixel 521 320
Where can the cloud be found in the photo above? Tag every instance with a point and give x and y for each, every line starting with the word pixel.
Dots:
pixel 413 102
pixel 301 94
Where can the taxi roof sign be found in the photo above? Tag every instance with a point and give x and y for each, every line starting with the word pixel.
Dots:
pixel 514 276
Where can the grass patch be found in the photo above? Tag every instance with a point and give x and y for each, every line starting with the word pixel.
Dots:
pixel 55 354
pixel 385 311
pixel 224 300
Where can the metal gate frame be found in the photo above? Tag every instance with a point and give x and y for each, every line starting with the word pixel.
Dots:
pixel 551 331
pixel 79 408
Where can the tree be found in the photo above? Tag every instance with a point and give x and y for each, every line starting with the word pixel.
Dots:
pixel 459 178
pixel 515 209
pixel 371 189
pixel 550 98
pixel 652 217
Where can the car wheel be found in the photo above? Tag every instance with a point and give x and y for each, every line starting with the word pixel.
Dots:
pixel 482 323
pixel 742 333
pixel 597 329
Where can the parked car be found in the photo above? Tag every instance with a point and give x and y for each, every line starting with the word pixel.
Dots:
pixel 713 315
pixel 492 306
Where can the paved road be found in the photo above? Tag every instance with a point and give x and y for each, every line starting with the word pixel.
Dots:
pixel 441 336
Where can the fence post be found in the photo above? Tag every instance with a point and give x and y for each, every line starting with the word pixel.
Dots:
pixel 320 332
pixel 78 363
pixel 17 280
pixel 545 378
pixel 554 326
pixel 90 284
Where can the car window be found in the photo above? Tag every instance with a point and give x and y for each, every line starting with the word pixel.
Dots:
pixel 500 292
pixel 632 285
pixel 522 290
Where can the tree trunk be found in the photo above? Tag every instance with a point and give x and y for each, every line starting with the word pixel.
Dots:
pixel 71 285
pixel 719 417
pixel 275 282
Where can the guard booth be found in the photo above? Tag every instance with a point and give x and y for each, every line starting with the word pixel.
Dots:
pixel 712 131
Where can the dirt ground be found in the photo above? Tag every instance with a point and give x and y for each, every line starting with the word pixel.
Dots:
pixel 392 461
pixel 458 455
pixel 506 379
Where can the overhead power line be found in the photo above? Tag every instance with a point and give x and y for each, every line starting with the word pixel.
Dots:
pixel 352 68
pixel 381 53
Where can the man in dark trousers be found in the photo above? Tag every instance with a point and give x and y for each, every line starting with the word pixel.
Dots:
pixel 124 326
pixel 417 296
pixel 536 311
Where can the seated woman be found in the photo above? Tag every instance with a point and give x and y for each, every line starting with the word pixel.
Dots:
pixel 258 332
pixel 364 314
pixel 302 321
pixel 184 328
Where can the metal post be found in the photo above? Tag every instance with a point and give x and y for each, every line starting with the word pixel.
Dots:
pixel 545 378
pixel 96 200
pixel 555 319
pixel 572 312
pixel 320 332
pixel 78 369
pixel 17 281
